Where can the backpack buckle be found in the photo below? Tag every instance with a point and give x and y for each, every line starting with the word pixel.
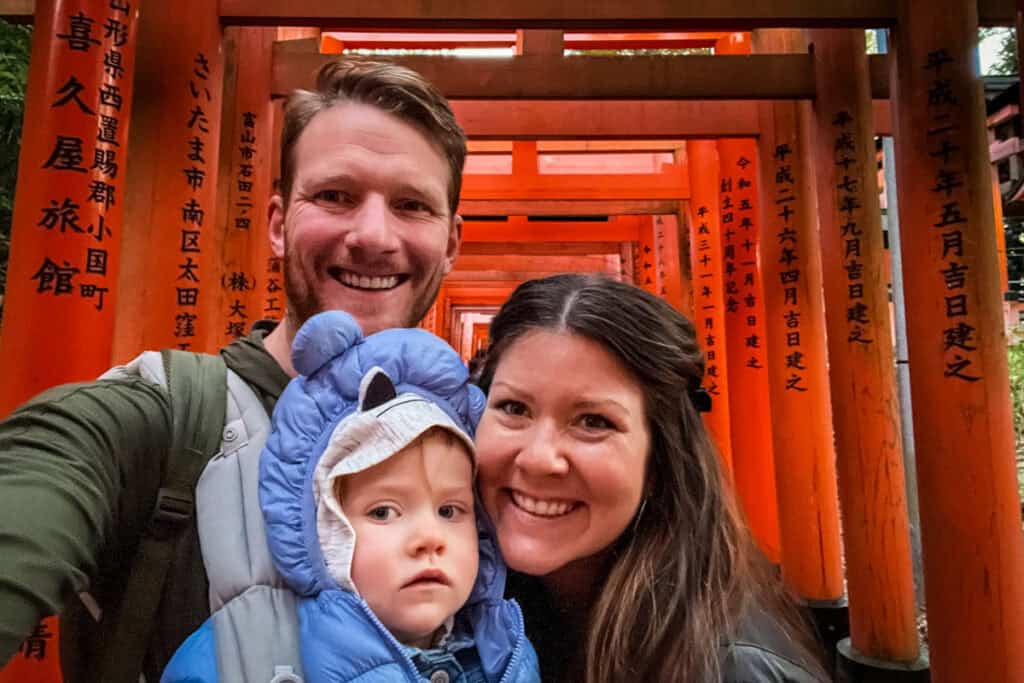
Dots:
pixel 172 511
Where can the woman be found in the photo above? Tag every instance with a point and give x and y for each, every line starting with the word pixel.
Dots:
pixel 628 552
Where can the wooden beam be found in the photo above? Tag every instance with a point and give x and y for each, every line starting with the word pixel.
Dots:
pixel 557 207
pixel 692 15
pixel 541 248
pixel 618 120
pixel 514 261
pixel 488 276
pixel 17 11
pixel 446 40
pixel 661 15
pixel 518 230
pixel 546 76
pixel 670 184
pixel 580 146
pixel 578 120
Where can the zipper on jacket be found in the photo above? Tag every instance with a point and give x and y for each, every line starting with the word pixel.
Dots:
pixel 395 645
pixel 517 649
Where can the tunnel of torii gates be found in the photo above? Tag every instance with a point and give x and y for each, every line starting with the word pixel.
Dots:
pixel 741 185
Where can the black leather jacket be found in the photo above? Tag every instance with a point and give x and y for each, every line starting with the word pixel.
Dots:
pixel 760 652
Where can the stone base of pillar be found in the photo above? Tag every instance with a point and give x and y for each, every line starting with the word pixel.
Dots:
pixel 832 620
pixel 853 667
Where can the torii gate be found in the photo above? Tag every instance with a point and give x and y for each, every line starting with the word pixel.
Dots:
pixel 817 228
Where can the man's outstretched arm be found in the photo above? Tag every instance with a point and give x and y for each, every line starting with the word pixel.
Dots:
pixel 80 467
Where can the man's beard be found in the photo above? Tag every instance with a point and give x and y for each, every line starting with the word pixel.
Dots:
pixel 300 305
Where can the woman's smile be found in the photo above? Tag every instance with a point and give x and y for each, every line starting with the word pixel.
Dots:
pixel 561 463
pixel 541 507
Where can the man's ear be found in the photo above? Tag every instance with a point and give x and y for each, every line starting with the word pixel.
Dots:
pixel 454 242
pixel 275 225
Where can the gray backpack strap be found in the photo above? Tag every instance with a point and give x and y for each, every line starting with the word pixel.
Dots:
pixel 197 386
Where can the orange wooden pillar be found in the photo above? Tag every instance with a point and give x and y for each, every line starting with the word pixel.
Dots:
pixel 68 220
pixel 271 285
pixel 708 288
pixel 970 509
pixel 673 266
pixel 168 285
pixel 245 180
pixel 876 531
pixel 751 419
pixel 795 333
pixel 68 214
pixel 752 451
pixel 645 258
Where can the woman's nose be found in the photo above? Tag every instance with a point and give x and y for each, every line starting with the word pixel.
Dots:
pixel 542 453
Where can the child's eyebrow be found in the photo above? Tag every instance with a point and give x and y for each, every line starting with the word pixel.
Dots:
pixel 457 489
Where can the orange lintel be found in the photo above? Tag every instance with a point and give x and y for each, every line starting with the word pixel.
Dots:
pixel 542 248
pixel 512 262
pixel 518 229
pixel 390 39
pixel 671 183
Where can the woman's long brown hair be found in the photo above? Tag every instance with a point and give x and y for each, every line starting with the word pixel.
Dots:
pixel 687 569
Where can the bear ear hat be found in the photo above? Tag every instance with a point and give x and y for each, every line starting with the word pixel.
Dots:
pixel 375 389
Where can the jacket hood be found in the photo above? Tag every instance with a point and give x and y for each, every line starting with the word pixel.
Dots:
pixel 357 400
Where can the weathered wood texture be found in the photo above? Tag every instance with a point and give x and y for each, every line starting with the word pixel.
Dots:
pixel 546 76
pixel 865 404
pixel 619 119
pixel 581 14
pixel 963 430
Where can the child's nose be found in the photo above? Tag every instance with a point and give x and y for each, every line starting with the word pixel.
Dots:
pixel 429 538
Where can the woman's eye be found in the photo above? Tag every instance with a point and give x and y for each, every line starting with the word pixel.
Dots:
pixel 595 422
pixel 382 513
pixel 516 408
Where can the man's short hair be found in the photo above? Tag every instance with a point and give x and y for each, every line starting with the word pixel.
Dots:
pixel 391 88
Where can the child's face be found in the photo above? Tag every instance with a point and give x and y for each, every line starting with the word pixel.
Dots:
pixel 415 557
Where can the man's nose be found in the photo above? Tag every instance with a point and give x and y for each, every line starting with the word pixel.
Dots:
pixel 373 228
pixel 541 453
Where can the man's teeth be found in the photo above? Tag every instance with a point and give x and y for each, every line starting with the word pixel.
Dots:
pixel 542 508
pixel 367 282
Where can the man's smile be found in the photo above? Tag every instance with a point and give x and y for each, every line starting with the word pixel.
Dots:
pixel 367 282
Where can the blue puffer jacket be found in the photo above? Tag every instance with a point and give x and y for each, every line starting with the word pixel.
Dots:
pixel 340 638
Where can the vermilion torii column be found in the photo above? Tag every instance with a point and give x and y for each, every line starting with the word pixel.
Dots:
pixel 673 266
pixel 708 288
pixel 751 423
pixel 645 258
pixel 171 273
pixel 67 226
pixel 245 181
pixel 751 433
pixel 795 333
pixel 970 508
pixel 876 531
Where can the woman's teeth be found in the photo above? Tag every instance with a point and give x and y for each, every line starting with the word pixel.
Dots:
pixel 542 508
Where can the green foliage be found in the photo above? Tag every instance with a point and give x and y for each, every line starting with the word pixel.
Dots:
pixel 1016 359
pixel 15 43
pixel 1005 63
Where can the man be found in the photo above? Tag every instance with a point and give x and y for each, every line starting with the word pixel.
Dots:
pixel 365 221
